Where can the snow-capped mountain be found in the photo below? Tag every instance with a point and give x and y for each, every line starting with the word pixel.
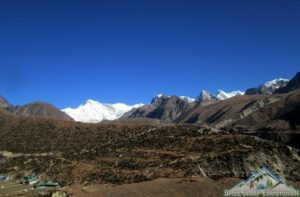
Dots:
pixel 94 111
pixel 268 88
pixel 222 95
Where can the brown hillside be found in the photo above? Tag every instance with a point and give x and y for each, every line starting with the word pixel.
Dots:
pixel 41 109
pixel 93 153
pixel 249 112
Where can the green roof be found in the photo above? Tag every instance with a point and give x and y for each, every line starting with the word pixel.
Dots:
pixel 31 177
pixel 46 184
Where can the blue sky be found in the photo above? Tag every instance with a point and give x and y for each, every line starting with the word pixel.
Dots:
pixel 67 51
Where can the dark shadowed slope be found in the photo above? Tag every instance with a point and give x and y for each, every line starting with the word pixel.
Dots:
pixel 165 108
pixel 293 84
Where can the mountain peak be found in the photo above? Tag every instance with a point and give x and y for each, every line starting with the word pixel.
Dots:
pixel 205 95
pixel 159 97
pixel 91 102
pixel 94 111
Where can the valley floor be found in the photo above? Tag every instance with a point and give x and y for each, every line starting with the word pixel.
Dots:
pixel 163 187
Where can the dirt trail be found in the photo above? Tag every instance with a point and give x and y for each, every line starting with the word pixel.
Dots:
pixel 182 187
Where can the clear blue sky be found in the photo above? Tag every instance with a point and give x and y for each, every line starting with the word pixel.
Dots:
pixel 67 51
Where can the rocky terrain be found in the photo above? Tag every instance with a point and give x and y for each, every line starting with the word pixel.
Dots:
pixel 93 153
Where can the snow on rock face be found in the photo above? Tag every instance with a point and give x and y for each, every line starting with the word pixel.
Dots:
pixel 94 111
pixel 187 98
pixel 226 95
pixel 207 96
pixel 163 96
pixel 159 97
pixel 276 82
pixel 268 88
pixel 122 108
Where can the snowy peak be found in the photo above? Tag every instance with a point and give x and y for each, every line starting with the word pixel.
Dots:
pixel 93 111
pixel 222 95
pixel 268 88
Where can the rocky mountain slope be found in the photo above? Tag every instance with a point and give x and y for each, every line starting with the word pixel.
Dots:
pixel 251 112
pixel 162 107
pixel 206 96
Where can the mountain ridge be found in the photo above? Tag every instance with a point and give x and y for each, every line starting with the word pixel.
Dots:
pixel 169 108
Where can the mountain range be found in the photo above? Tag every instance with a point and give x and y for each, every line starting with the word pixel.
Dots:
pixel 163 107
pixel 207 108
